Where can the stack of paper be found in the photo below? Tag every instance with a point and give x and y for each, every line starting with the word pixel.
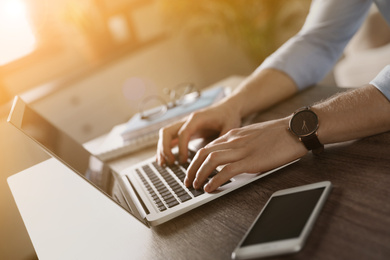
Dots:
pixel 137 126
pixel 139 133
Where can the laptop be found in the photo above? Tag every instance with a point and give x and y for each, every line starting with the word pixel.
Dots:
pixel 151 193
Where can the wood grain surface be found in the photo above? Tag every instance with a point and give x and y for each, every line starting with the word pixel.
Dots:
pixel 354 223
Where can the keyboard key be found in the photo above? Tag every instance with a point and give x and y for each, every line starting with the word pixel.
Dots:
pixel 173 203
pixel 185 197
pixel 170 199
pixel 181 193
pixel 160 205
pixel 173 184
pixel 195 192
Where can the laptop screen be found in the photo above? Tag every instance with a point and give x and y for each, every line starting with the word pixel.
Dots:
pixel 55 142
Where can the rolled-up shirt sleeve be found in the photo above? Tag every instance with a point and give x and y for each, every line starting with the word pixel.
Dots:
pixel 382 82
pixel 310 55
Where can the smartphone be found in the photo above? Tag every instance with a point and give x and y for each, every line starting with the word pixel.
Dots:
pixel 284 223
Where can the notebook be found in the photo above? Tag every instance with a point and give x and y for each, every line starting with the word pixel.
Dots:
pixel 149 192
pixel 139 133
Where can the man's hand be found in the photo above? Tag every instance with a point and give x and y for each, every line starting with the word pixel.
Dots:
pixel 252 149
pixel 212 121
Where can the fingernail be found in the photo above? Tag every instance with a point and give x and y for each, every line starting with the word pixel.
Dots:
pixel 207 188
pixel 186 182
pixel 195 184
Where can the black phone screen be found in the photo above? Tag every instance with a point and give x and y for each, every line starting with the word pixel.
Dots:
pixel 284 217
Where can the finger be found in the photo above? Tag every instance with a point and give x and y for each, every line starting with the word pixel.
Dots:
pixel 184 138
pixel 213 160
pixel 193 167
pixel 165 143
pixel 247 164
pixel 228 172
pixel 192 125
pixel 201 156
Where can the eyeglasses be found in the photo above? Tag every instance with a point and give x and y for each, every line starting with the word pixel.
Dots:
pixel 181 95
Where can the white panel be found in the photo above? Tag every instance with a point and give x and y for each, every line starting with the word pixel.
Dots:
pixel 67 218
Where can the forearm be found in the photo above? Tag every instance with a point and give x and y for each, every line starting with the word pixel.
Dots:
pixel 303 60
pixel 261 90
pixel 352 115
pixel 312 52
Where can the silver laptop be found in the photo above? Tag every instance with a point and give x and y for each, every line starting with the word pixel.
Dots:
pixel 152 193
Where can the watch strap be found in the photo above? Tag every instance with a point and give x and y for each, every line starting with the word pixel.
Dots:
pixel 312 143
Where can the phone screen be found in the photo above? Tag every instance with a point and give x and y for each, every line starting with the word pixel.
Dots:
pixel 284 217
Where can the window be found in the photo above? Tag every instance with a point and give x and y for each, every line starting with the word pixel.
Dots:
pixel 45 41
pixel 16 34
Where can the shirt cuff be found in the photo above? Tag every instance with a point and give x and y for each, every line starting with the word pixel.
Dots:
pixel 382 82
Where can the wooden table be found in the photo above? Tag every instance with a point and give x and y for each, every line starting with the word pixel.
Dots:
pixel 354 223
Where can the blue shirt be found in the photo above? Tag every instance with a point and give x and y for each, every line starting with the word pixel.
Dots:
pixel 310 55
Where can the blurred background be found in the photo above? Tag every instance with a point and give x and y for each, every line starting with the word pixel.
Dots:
pixel 44 41
pixel 86 64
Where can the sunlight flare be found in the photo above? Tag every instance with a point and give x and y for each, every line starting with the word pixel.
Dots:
pixel 16 35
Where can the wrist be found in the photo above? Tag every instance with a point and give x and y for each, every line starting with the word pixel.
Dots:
pixel 295 144
pixel 235 103
pixel 324 123
pixel 261 90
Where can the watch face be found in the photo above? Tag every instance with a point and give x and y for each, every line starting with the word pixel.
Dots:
pixel 304 123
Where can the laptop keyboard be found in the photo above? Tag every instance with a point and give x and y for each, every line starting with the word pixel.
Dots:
pixel 172 191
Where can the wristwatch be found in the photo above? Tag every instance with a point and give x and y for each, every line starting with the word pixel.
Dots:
pixel 304 124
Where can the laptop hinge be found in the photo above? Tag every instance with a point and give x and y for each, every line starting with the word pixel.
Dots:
pixel 133 200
